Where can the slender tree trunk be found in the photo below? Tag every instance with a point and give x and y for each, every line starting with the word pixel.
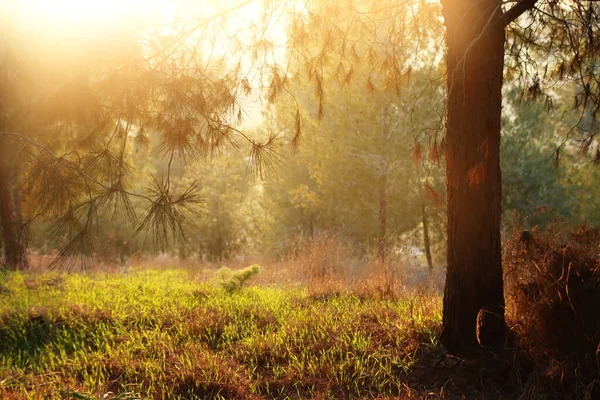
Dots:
pixel 15 252
pixel 219 232
pixel 426 241
pixel 382 229
pixel 473 297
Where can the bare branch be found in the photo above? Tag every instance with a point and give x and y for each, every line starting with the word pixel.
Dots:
pixel 517 10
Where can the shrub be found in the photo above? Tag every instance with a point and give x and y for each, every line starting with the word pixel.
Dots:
pixel 231 280
pixel 553 299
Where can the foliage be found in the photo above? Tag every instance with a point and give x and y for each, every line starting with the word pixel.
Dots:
pixel 227 225
pixel 533 179
pixel 355 174
pixel 555 44
pixel 75 128
pixel 530 177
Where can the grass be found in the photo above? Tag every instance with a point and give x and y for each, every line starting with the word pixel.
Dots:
pixel 166 335
pixel 326 330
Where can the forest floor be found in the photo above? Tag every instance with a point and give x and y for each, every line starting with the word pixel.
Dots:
pixel 170 334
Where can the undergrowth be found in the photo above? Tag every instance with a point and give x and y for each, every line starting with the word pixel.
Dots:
pixel 553 303
pixel 164 335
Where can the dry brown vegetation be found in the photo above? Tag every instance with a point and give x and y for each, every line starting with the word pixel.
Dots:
pixel 553 303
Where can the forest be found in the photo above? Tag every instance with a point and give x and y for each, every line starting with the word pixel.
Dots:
pixel 299 199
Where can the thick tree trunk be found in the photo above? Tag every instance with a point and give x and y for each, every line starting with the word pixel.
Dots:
pixel 426 241
pixel 473 297
pixel 15 252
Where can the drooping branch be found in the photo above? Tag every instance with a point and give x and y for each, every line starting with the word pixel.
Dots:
pixel 517 10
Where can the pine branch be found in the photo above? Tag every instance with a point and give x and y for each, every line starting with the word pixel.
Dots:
pixel 517 10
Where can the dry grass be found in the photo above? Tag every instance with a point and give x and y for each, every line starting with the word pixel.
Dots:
pixel 328 266
pixel 553 302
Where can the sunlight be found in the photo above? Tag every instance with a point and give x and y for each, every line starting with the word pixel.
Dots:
pixel 73 11
pixel 78 15
pixel 86 16
pixel 60 23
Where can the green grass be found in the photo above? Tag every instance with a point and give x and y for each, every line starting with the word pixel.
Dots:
pixel 165 335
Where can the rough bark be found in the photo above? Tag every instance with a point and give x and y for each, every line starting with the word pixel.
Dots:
pixel 14 249
pixel 426 241
pixel 473 297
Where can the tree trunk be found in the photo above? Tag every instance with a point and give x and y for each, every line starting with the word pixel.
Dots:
pixel 382 228
pixel 381 236
pixel 219 232
pixel 15 252
pixel 473 297
pixel 426 241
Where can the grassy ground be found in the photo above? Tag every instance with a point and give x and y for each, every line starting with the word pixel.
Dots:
pixel 166 335
pixel 172 334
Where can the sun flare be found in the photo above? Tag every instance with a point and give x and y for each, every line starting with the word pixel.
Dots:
pixel 85 16
pixel 69 21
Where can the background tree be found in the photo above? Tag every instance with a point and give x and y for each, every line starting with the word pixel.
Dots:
pixel 227 225
pixel 75 128
pixel 356 174
pixel 531 178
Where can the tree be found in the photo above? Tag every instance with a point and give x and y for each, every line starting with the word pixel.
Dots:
pixel 476 42
pixel 74 120
pixel 354 174
pixel 474 281
pixel 225 227
pixel 14 248
pixel 532 181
